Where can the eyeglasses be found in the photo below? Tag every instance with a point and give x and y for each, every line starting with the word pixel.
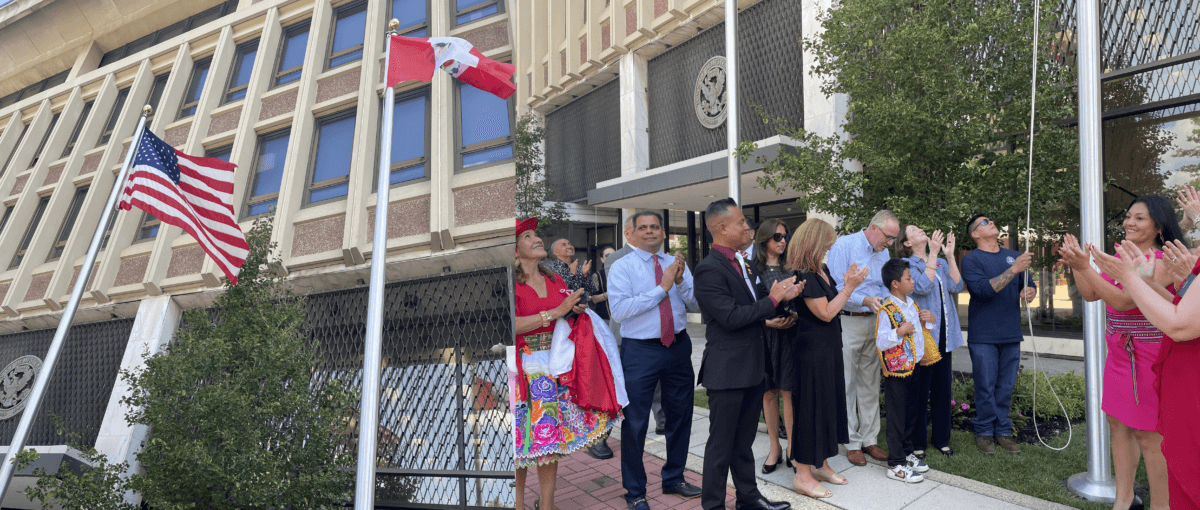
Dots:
pixel 890 239
pixel 781 237
pixel 981 223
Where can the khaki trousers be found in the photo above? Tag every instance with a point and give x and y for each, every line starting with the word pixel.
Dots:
pixel 862 373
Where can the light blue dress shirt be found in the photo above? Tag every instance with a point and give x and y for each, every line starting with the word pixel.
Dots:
pixel 942 304
pixel 633 296
pixel 855 248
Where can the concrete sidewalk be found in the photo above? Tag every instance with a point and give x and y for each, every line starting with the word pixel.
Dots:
pixel 586 483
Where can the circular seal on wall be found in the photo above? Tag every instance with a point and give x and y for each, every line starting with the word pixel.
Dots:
pixel 16 383
pixel 709 97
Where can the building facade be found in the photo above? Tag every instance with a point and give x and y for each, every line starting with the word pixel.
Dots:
pixel 291 91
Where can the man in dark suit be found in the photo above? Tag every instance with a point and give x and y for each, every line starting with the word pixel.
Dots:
pixel 735 306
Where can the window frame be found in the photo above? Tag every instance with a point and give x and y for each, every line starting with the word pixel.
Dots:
pixel 74 140
pixel 216 151
pixel 8 209
pixel 160 90
pixel 482 5
pixel 406 95
pixel 238 59
pixel 309 185
pixel 288 33
pixel 250 199
pixel 460 149
pixel 23 248
pixel 112 222
pixel 111 125
pixel 148 221
pixel 68 224
pixel 339 12
pixel 20 138
pixel 37 155
pixel 206 64
pixel 404 31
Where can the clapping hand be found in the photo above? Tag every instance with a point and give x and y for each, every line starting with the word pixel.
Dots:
pixel 587 266
pixel 783 288
pixel 855 276
pixel 948 249
pixel 1189 200
pixel 782 322
pixel 574 266
pixel 1072 254
pixel 1178 259
pixel 1120 269
pixel 682 263
pixel 935 243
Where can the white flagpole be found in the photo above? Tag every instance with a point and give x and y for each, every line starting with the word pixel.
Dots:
pixel 368 422
pixel 64 324
pixel 731 99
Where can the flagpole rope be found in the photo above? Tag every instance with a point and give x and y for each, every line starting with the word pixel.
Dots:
pixel 1029 239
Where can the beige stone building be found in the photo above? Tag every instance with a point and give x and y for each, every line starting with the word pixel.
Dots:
pixel 289 90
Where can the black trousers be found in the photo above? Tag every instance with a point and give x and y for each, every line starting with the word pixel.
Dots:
pixel 732 426
pixel 900 399
pixel 933 401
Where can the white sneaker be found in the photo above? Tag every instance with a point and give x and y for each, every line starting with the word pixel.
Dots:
pixel 905 474
pixel 916 464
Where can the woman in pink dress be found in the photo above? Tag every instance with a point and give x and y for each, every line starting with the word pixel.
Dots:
pixel 1133 344
pixel 548 424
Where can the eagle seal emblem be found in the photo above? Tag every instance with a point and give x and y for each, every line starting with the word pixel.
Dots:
pixel 16 383
pixel 709 97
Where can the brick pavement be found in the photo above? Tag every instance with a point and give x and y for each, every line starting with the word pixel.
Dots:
pixel 587 483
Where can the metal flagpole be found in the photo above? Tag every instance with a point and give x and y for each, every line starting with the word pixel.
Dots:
pixel 368 423
pixel 64 324
pixel 731 99
pixel 1097 483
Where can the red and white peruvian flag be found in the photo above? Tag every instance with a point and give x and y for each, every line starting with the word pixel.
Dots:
pixel 416 58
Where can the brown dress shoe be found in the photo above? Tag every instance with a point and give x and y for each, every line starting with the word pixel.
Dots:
pixel 856 457
pixel 876 453
pixel 1008 444
pixel 985 445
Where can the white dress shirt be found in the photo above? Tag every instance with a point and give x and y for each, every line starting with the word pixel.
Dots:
pixel 633 296
pixel 885 334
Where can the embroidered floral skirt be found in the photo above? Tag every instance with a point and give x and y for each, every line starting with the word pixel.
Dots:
pixel 549 425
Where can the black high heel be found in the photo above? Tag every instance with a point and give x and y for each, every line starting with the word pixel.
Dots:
pixel 770 468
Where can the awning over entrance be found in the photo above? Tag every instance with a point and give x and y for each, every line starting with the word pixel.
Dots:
pixel 689 185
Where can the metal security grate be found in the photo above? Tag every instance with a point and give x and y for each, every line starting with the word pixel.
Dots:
pixel 445 431
pixel 82 383
pixel 583 143
pixel 771 74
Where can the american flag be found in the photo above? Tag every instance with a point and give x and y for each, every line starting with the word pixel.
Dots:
pixel 192 193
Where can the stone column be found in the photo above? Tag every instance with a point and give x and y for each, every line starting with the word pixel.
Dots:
pixel 156 322
pixel 635 117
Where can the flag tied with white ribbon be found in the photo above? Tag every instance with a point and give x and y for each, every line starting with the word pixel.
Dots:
pixel 192 193
pixel 416 58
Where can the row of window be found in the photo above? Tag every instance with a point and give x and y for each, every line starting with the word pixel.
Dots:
pixel 31 90
pixel 486 137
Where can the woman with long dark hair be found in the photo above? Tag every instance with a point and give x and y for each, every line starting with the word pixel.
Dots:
pixel 769 245
pixel 1130 400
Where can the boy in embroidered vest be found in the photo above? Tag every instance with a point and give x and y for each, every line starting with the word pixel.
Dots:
pixel 901 342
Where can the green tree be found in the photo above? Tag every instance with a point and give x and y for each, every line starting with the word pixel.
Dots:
pixel 533 194
pixel 938 116
pixel 238 416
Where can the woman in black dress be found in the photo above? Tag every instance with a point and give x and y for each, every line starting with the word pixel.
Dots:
pixel 819 402
pixel 770 243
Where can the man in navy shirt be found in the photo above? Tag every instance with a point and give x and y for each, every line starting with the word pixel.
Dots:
pixel 996 279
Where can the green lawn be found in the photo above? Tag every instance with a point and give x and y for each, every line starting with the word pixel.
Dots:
pixel 1037 471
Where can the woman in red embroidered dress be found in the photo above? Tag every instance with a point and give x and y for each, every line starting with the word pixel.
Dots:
pixel 548 425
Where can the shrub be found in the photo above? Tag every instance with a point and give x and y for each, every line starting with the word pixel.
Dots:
pixel 1069 386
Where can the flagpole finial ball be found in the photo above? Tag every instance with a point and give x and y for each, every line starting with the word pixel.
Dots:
pixel 394 25
pixel 147 109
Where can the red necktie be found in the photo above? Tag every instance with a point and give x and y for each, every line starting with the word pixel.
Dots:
pixel 666 320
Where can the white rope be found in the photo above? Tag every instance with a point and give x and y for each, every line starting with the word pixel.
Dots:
pixel 1028 240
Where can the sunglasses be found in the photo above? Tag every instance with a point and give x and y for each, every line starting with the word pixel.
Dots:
pixel 983 222
pixel 781 237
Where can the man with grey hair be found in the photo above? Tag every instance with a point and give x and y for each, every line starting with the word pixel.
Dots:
pixel 563 262
pixel 866 248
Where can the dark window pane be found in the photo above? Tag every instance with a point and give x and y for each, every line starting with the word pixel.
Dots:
pixel 328 193
pixel 408 129
pixel 293 50
pixel 221 153
pixel 333 155
pixel 246 65
pixel 270 165
pixel 409 12
pixel 4 221
pixel 345 59
pixel 463 4
pixel 407 174
pixel 115 114
pixel 24 129
pixel 33 225
pixel 46 137
pixel 111 57
pixel 207 16
pixel 156 91
pixel 198 83
pixel 64 232
pixel 261 207
pixel 139 44
pixel 484 116
pixel 112 219
pixel 488 155
pixel 87 109
pixel 477 14
pixel 171 31
pixel 417 33
pixel 289 77
pixel 349 30
pixel 148 232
